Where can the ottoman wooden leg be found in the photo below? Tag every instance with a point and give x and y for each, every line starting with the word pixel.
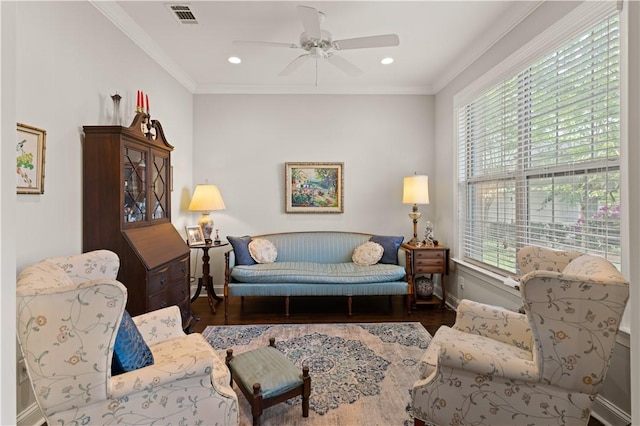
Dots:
pixel 226 361
pixel 306 391
pixel 256 404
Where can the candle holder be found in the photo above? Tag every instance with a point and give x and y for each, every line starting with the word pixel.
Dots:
pixel 117 119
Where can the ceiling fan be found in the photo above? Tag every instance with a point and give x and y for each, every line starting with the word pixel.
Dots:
pixel 319 44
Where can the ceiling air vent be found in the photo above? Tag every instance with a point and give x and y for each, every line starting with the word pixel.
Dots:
pixel 182 12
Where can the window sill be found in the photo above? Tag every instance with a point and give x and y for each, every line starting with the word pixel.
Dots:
pixel 489 277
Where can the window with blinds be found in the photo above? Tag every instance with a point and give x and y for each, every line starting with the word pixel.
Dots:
pixel 539 155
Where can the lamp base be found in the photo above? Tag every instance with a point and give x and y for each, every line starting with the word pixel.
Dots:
pixel 206 223
pixel 414 241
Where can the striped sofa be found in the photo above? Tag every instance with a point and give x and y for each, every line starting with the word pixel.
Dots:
pixel 314 264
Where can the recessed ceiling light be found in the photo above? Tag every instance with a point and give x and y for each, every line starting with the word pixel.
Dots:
pixel 234 59
pixel 386 61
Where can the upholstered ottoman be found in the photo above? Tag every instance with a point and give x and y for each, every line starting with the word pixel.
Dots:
pixel 266 377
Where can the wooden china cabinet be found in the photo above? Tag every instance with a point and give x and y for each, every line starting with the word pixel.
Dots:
pixel 127 209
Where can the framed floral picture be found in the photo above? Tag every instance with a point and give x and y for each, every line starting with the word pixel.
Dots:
pixel 30 149
pixel 314 187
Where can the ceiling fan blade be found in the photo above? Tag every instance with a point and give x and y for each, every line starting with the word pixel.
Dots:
pixel 267 43
pixel 386 40
pixel 310 21
pixel 294 65
pixel 344 65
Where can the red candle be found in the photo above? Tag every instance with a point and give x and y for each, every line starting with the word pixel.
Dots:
pixel 147 98
pixel 138 100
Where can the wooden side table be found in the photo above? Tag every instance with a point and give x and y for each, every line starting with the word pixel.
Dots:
pixel 206 279
pixel 427 260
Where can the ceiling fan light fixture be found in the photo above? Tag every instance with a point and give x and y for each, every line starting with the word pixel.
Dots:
pixel 386 61
pixel 234 60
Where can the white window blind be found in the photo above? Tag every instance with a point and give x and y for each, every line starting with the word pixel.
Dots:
pixel 539 155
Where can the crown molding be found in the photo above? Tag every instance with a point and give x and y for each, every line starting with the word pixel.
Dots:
pixel 128 26
pixel 310 90
pixel 481 45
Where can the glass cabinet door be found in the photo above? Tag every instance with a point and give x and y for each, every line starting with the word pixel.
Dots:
pixel 160 186
pixel 135 185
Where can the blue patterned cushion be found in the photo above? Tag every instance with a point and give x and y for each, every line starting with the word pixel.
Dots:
pixel 391 245
pixel 130 351
pixel 241 250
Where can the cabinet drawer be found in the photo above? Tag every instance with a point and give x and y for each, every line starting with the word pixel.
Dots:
pixel 429 262
pixel 178 291
pixel 158 280
pixel 428 269
pixel 428 254
pixel 159 301
pixel 179 269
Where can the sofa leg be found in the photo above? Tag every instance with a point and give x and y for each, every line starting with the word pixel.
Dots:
pixel 349 305
pixel 226 309
pixel 286 306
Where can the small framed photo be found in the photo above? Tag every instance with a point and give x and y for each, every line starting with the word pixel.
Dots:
pixel 314 188
pixel 195 237
pixel 30 148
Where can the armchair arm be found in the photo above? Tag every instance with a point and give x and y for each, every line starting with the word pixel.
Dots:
pixel 187 366
pixel 158 326
pixel 493 322
pixel 486 358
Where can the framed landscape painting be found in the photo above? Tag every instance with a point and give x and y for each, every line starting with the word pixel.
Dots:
pixel 30 148
pixel 314 188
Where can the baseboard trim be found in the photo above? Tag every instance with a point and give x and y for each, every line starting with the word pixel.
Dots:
pixel 31 416
pixel 609 414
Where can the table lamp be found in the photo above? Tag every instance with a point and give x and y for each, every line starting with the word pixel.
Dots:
pixel 415 191
pixel 206 198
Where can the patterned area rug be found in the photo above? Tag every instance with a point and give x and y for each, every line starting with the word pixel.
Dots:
pixel 361 373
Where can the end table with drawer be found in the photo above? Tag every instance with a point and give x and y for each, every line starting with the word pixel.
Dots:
pixel 425 260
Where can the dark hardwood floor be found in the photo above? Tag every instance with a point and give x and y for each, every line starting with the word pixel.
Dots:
pixel 270 310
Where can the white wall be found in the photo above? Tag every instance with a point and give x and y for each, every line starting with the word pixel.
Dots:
pixel 241 143
pixel 478 286
pixel 69 60
pixel 7 213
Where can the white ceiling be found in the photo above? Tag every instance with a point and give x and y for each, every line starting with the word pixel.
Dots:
pixel 438 39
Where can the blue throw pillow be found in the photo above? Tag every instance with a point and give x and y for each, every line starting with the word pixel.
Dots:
pixel 241 250
pixel 391 245
pixel 130 351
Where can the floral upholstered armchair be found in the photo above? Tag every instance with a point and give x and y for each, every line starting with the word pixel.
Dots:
pixel 69 312
pixel 544 367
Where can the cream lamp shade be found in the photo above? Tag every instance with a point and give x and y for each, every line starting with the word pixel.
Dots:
pixel 206 198
pixel 415 191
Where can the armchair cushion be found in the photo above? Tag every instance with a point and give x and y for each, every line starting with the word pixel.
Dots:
pixel 130 351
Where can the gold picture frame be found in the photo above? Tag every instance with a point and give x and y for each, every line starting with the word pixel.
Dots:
pixel 314 187
pixel 30 150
